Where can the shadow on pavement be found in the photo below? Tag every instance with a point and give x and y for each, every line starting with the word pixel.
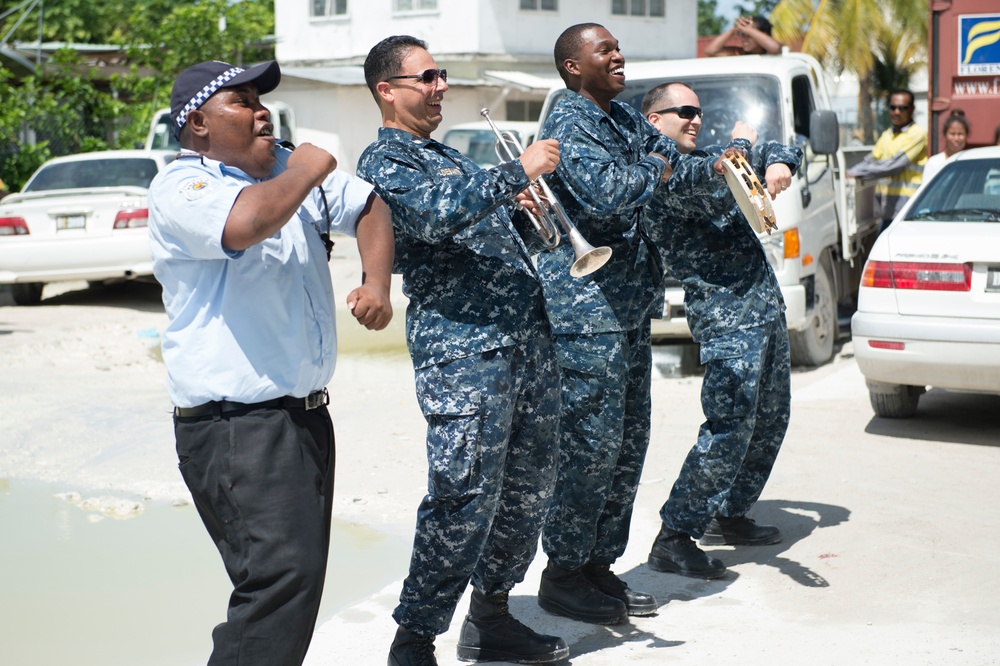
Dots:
pixel 586 638
pixel 946 416
pixel 133 294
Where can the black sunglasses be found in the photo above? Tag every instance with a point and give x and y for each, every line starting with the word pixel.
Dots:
pixel 428 76
pixel 687 112
pixel 896 107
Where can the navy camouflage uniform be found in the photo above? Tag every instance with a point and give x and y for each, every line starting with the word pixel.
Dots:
pixel 486 377
pixel 736 312
pixel 600 323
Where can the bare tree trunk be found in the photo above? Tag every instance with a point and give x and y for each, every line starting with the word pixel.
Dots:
pixel 866 117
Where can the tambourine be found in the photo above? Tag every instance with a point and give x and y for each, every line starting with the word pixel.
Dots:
pixel 752 197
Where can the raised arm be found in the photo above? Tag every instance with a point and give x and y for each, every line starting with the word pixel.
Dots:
pixel 433 207
pixel 263 208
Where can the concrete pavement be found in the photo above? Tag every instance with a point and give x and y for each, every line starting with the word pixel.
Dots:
pixel 889 552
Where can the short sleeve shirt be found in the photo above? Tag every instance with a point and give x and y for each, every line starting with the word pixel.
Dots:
pixel 252 325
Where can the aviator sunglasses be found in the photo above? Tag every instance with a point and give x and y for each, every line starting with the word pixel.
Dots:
pixel 687 112
pixel 428 76
pixel 897 107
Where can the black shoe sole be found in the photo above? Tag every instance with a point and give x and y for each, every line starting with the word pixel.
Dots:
pixel 636 610
pixel 666 566
pixel 607 618
pixel 468 653
pixel 722 540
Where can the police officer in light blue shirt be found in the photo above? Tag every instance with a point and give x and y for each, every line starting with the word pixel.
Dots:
pixel 239 231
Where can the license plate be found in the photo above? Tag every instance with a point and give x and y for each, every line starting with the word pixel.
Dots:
pixel 993 279
pixel 71 222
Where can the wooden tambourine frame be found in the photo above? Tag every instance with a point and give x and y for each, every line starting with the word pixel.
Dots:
pixel 751 196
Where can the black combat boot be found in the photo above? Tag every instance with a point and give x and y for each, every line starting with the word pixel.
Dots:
pixel 410 649
pixel 566 592
pixel 675 552
pixel 491 633
pixel 739 531
pixel 637 603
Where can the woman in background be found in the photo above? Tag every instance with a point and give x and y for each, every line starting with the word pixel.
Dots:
pixel 956 134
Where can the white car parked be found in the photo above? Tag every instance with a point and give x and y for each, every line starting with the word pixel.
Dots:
pixel 79 217
pixel 929 304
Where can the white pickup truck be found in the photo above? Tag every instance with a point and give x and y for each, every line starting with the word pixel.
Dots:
pixel 825 225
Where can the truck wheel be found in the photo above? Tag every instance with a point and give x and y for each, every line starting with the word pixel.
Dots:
pixel 26 293
pixel 894 401
pixel 814 345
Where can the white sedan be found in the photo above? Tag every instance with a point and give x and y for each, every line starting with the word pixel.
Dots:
pixel 929 303
pixel 79 217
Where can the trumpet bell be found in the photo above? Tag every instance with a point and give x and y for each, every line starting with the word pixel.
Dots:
pixel 590 261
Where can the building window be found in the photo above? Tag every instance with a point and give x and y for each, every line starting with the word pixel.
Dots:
pixel 639 8
pixel 413 5
pixel 329 7
pixel 544 5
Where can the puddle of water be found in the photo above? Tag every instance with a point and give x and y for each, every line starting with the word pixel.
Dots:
pixel 82 588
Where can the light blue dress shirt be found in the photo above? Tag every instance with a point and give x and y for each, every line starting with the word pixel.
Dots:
pixel 253 325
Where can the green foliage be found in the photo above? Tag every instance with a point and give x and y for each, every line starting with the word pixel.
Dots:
pixel 169 36
pixel 757 8
pixel 79 21
pixel 76 109
pixel 709 21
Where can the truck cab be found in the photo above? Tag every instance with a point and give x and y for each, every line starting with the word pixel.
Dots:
pixel 820 230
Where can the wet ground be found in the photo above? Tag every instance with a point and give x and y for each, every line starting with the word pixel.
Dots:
pixel 84 588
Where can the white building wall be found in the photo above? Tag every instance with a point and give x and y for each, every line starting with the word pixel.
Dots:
pixel 467 36
pixel 475 27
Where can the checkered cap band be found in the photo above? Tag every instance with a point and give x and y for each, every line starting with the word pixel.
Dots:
pixel 202 95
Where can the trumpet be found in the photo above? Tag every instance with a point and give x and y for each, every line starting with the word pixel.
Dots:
pixel 588 258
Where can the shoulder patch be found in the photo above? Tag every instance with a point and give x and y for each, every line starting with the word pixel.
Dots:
pixel 451 172
pixel 193 188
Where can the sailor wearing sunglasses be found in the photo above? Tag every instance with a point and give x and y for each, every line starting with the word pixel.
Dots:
pixel 736 313
pixel 485 371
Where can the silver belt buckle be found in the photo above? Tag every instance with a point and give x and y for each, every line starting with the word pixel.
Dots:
pixel 317 399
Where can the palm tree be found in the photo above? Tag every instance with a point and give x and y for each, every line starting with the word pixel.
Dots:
pixel 860 37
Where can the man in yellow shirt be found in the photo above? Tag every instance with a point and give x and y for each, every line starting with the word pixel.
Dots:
pixel 898 158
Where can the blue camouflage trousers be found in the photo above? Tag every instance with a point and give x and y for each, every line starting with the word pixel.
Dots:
pixel 746 396
pixel 492 422
pixel 604 434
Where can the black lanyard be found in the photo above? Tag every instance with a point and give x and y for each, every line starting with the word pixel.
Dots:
pixel 324 235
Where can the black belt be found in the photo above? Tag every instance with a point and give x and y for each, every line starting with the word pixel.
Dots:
pixel 219 407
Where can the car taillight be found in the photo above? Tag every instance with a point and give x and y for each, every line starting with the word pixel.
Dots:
pixel 132 219
pixel 917 275
pixel 877 274
pixel 13 226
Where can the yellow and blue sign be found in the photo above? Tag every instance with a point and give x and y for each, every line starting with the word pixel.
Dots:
pixel 979 44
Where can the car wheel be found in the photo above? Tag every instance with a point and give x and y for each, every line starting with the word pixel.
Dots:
pixel 814 345
pixel 894 401
pixel 26 293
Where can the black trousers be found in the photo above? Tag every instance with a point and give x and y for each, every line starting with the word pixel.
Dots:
pixel 262 481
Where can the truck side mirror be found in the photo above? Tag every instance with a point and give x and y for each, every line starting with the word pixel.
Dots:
pixel 824 132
